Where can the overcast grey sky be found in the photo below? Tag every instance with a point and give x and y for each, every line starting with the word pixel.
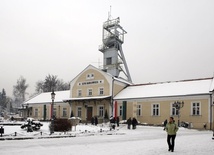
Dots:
pixel 167 40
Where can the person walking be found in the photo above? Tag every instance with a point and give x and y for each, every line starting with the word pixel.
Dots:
pixel 129 122
pixel 134 123
pixel 171 129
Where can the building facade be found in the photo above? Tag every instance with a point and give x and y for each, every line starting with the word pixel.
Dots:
pixel 154 103
pixel 91 95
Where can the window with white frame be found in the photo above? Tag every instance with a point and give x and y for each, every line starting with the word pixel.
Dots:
pixel 174 111
pixel 79 112
pixel 90 92
pixel 101 91
pixel 79 92
pixel 120 110
pixel 155 109
pixel 64 112
pixel 139 110
pixel 36 112
pixel 196 108
pixel 101 111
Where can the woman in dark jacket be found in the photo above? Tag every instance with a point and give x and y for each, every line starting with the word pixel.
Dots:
pixel 134 123
pixel 129 122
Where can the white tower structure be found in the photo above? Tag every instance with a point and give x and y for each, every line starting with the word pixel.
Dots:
pixel 113 58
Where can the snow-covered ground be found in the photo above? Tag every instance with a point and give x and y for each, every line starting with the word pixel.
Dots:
pixel 88 139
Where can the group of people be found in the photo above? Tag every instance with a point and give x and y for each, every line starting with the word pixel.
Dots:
pixel 169 126
pixel 94 120
pixel 133 122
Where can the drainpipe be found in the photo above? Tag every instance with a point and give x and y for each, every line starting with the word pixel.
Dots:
pixel 211 113
pixel 112 95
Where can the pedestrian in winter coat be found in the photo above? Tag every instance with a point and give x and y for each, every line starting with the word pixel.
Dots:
pixel 95 120
pixel 171 129
pixel 134 123
pixel 117 120
pixel 129 122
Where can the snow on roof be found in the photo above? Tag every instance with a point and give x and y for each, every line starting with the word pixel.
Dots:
pixel 167 89
pixel 212 85
pixel 46 97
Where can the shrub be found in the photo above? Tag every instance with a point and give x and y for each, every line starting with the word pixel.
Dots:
pixel 62 125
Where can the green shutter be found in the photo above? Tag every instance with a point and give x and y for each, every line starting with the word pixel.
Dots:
pixel 44 112
pixel 124 110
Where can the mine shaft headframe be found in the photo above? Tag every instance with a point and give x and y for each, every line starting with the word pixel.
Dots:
pixel 113 29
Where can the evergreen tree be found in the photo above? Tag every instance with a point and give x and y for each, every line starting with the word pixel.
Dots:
pixel 3 98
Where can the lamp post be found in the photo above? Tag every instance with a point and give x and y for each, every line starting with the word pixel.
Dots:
pixel 178 105
pixel 52 116
pixel 27 110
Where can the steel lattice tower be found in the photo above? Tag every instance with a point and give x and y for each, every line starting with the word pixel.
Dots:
pixel 113 58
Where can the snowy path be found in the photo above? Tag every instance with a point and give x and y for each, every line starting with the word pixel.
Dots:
pixel 144 140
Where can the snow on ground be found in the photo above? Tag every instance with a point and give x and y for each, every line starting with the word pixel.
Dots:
pixel 88 139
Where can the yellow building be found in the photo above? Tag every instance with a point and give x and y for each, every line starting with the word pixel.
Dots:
pixel 39 107
pixel 91 94
pixel 153 103
pixel 94 92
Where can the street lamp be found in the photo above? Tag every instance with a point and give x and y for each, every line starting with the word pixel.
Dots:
pixel 27 110
pixel 52 116
pixel 178 105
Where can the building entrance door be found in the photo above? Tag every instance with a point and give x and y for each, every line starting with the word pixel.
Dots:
pixel 89 113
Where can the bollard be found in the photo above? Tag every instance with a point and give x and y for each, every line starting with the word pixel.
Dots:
pixel 41 133
pixel 15 133
pixel 1 130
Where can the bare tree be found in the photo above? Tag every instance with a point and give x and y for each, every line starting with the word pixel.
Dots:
pixel 61 85
pixel 19 90
pixel 51 83
pixel 39 86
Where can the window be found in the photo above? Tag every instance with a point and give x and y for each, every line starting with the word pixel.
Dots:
pixel 54 112
pixel 36 112
pixel 90 92
pixel 120 110
pixel 79 92
pixel 79 112
pixel 155 109
pixel 101 111
pixel 108 61
pixel 64 112
pixel 101 91
pixel 174 111
pixel 196 106
pixel 139 110
pixel 90 76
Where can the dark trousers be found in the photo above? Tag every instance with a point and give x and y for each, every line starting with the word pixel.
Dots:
pixel 171 141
